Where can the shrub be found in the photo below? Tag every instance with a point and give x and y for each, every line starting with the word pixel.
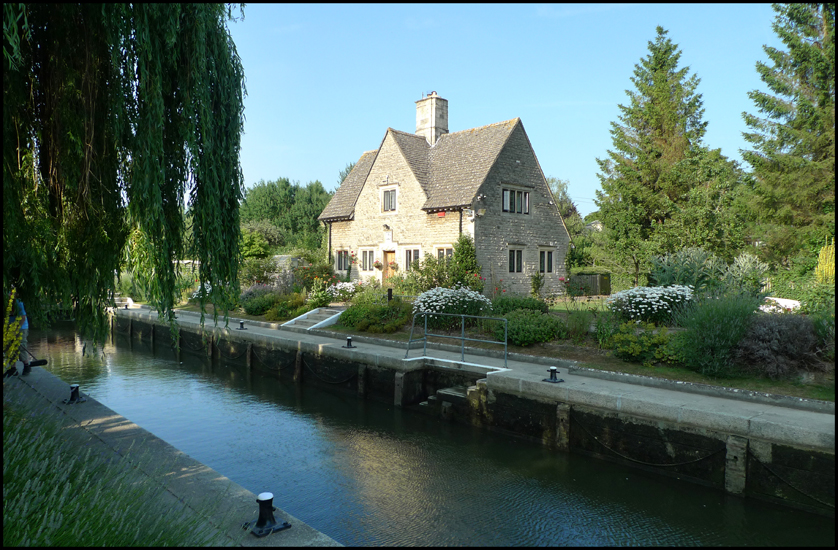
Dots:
pixel 643 344
pixel 257 270
pixel 816 297
pixel 649 304
pixel 259 305
pixel 377 318
pixel 777 345
pixel 286 306
pixel 506 303
pixel 305 275
pixel 745 274
pixel 607 325
pixel 715 325
pixel 342 292
pixel 823 322
pixel 458 300
pixel 825 270
pixel 526 327
pixel 578 323
pixel 693 267
pixel 319 296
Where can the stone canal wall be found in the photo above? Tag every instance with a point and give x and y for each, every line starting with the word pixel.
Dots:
pixel 779 454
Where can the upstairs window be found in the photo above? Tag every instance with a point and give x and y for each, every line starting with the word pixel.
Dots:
pixel 388 203
pixel 515 202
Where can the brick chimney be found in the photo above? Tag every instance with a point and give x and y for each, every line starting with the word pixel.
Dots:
pixel 431 117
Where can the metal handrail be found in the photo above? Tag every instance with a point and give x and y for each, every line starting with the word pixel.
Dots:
pixel 462 336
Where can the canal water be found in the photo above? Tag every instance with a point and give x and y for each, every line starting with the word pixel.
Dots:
pixel 366 473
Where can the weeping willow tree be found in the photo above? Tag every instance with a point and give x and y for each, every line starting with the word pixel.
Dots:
pixel 117 118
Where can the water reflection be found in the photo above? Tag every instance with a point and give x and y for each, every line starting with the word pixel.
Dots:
pixel 368 474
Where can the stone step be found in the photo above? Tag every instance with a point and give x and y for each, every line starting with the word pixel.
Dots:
pixel 456 394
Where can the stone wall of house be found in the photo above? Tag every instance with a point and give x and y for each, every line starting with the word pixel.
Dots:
pixel 496 231
pixel 410 228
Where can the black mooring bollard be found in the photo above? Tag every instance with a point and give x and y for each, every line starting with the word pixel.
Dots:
pixel 241 326
pixel 349 343
pixel 553 372
pixel 266 524
pixel 74 396
pixel 126 306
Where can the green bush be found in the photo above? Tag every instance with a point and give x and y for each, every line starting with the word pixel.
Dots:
pixel 377 318
pixel 526 327
pixel 504 304
pixel 715 324
pixel 286 307
pixel 457 301
pixel 130 287
pixel 823 322
pixel 578 323
pixel 304 276
pixel 693 267
pixel 641 343
pixel 817 297
pixel 256 270
pixel 607 325
pixel 777 345
pixel 260 304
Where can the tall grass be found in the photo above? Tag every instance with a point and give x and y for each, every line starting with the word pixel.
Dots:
pixel 60 490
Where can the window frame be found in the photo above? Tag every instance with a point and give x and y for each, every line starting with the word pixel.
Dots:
pixel 545 260
pixel 389 200
pixel 515 201
pixel 515 263
pixel 411 255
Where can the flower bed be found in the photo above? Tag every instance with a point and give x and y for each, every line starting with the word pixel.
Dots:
pixel 649 304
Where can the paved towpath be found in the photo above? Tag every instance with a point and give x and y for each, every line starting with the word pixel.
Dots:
pixel 779 419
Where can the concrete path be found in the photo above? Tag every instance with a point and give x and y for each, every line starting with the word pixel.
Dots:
pixel 779 419
pixel 185 480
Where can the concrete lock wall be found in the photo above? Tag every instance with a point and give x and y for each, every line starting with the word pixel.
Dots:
pixel 800 476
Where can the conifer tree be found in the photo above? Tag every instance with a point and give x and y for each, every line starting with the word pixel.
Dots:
pixel 794 145
pixel 643 180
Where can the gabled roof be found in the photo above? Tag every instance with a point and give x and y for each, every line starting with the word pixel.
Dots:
pixel 342 205
pixel 461 161
pixel 450 172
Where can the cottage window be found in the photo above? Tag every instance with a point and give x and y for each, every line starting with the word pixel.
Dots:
pixel 342 260
pixel 389 201
pixel 545 261
pixel 516 202
pixel 516 260
pixel 410 256
pixel 445 253
pixel 367 258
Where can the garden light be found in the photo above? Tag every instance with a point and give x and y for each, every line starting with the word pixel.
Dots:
pixel 266 524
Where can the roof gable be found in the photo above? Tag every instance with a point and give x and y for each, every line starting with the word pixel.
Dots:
pixel 459 163
pixel 342 205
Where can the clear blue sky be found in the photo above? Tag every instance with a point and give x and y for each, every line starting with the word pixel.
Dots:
pixel 324 82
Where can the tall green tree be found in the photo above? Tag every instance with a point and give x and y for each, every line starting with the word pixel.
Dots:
pixel 793 140
pixel 345 172
pixel 642 179
pixel 114 117
pixel 567 208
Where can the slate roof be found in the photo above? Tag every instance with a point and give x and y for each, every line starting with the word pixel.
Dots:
pixel 450 172
pixel 342 205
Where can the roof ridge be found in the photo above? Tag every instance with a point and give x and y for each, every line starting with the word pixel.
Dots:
pixel 482 127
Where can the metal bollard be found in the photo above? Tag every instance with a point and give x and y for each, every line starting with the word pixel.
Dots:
pixel 241 326
pixel 74 396
pixel 553 379
pixel 266 524
pixel 349 343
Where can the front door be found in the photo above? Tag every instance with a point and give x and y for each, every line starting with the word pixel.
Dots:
pixel 389 257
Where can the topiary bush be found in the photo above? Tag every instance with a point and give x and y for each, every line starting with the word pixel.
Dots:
pixel 504 304
pixel 778 346
pixel 527 327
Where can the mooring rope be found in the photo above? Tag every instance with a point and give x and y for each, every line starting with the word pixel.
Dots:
pixel 786 482
pixel 353 375
pixel 640 461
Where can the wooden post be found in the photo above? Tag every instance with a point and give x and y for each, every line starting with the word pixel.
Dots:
pixel 209 348
pixel 178 343
pixel 248 355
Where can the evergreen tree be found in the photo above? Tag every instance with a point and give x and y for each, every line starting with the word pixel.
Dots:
pixel 794 146
pixel 643 178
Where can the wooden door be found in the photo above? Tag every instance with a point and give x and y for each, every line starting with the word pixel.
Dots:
pixel 386 272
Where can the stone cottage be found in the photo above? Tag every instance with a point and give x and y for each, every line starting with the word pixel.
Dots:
pixel 417 193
